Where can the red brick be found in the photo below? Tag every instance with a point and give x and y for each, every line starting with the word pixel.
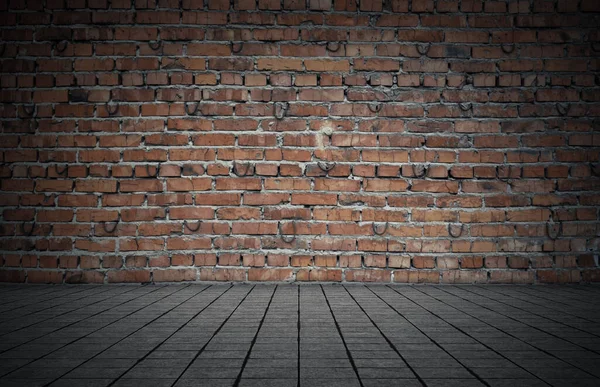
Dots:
pixel 414 276
pixel 482 95
pixel 269 274
pixel 128 276
pixel 321 275
pixel 44 276
pixel 174 275
pixel 368 276
pixel 215 274
pixel 314 199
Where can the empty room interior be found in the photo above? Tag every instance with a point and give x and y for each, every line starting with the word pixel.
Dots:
pixel 299 193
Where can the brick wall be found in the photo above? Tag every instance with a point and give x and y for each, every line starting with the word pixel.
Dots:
pixel 391 141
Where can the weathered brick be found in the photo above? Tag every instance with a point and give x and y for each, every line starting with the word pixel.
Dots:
pixel 344 145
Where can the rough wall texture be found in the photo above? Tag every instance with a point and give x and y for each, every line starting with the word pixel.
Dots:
pixel 318 140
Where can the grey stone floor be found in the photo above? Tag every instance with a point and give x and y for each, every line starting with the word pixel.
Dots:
pixel 291 335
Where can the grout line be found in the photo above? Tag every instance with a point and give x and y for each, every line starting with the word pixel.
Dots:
pixel 102 327
pixel 132 333
pixel 524 323
pixel 214 334
pixel 537 305
pixel 387 339
pixel 239 376
pixel 567 291
pixel 342 337
pixel 463 332
pixel 77 322
pixel 54 306
pixel 41 293
pixel 434 341
pixel 171 335
pixel 509 334
pixel 298 328
pixel 592 305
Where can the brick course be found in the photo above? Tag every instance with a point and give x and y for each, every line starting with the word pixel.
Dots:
pixel 383 141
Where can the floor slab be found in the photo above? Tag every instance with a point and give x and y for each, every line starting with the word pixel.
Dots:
pixel 299 335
